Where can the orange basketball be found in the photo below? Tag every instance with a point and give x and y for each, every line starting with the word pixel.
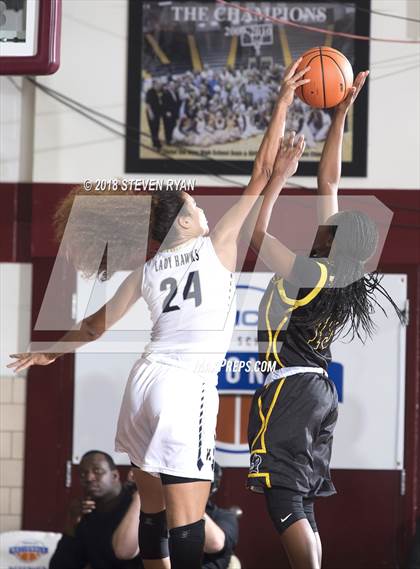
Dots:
pixel 331 76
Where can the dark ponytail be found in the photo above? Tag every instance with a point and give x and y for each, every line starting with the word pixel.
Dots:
pixel 166 205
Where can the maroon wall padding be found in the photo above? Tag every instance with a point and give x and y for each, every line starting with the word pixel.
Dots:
pixel 357 526
pixel 15 222
pixel 49 419
pixel 368 525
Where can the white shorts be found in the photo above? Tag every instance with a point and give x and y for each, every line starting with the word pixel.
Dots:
pixel 167 421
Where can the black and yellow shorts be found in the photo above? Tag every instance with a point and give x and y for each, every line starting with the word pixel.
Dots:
pixel 290 435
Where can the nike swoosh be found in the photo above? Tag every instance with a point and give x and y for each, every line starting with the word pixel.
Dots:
pixel 284 519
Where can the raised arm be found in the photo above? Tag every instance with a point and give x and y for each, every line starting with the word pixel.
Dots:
pixel 285 166
pixel 90 328
pixel 227 229
pixel 329 171
pixel 267 152
pixel 275 255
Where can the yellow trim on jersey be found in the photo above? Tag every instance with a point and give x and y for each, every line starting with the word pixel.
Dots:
pixel 309 297
pixel 293 303
pixel 265 475
pixel 267 322
pixel 264 426
pixel 262 422
pixel 280 326
pixel 319 331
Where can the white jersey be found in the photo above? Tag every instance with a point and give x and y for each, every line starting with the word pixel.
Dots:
pixel 190 295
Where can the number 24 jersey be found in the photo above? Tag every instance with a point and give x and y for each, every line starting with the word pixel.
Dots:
pixel 191 298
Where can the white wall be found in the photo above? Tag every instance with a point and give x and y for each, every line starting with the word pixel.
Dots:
pixel 10 125
pixel 15 310
pixel 68 148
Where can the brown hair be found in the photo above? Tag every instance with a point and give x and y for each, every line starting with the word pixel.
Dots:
pixel 101 219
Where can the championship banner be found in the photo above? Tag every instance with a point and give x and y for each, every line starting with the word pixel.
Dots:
pixel 203 79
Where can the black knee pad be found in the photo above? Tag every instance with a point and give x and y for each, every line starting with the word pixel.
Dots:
pixel 153 536
pixel 308 508
pixel 284 506
pixel 186 544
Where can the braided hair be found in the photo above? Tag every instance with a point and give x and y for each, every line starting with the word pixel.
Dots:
pixel 351 306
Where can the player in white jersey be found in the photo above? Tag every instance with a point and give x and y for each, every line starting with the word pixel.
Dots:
pixel 168 415
pixel 202 323
pixel 190 295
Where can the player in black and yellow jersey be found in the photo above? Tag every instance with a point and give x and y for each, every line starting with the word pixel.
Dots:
pixel 308 303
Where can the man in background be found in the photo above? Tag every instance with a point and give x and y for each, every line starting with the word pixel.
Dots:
pixel 154 112
pixel 102 529
pixel 170 110
pixel 107 505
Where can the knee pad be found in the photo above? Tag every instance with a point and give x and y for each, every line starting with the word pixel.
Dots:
pixel 186 544
pixel 284 506
pixel 153 536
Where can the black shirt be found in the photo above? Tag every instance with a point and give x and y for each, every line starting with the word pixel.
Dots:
pixel 153 99
pixel 93 537
pixel 228 522
pixel 92 541
pixel 283 335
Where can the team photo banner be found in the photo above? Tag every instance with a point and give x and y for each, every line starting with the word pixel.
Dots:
pixel 203 78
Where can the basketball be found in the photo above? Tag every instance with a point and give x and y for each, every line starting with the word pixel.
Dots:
pixel 331 76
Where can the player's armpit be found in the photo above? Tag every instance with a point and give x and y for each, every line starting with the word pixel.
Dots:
pixel 276 256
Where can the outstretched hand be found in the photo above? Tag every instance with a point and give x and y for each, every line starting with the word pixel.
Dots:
pixel 288 156
pixel 28 359
pixel 291 81
pixel 345 105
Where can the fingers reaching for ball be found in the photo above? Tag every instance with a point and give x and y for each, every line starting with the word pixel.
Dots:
pixel 288 156
pixel 353 92
pixel 293 78
pixel 291 69
pixel 287 142
pixel 291 146
pixel 358 83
